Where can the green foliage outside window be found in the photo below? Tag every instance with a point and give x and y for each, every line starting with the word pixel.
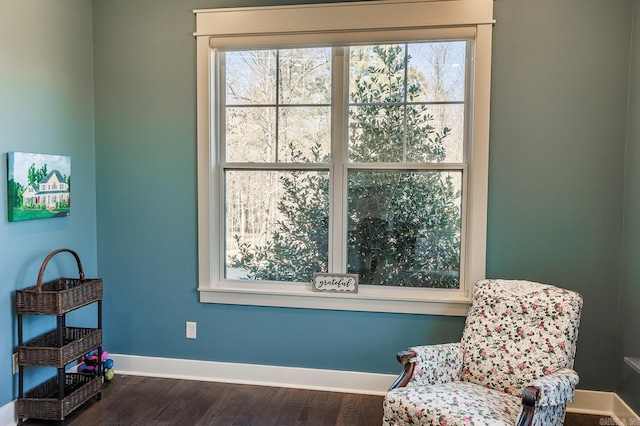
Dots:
pixel 403 225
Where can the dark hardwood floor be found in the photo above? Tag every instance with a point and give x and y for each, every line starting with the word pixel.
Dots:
pixel 148 401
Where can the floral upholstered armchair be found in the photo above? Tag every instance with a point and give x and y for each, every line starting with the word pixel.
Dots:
pixel 512 366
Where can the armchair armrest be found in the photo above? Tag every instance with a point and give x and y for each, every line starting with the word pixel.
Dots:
pixel 429 365
pixel 554 389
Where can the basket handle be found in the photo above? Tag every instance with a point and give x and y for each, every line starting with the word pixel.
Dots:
pixel 48 258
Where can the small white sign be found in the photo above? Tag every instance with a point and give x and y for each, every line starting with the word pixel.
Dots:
pixel 335 283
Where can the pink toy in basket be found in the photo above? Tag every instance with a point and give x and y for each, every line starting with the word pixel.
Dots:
pixel 90 364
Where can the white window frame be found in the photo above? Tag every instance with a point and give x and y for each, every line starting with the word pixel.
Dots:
pixel 336 23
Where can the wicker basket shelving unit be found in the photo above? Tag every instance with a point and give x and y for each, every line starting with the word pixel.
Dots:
pixel 56 398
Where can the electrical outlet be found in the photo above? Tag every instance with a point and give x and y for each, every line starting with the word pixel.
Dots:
pixel 15 363
pixel 191 330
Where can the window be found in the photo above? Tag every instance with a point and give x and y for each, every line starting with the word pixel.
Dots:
pixel 358 149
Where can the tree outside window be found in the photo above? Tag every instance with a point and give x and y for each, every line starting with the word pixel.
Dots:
pixel 404 165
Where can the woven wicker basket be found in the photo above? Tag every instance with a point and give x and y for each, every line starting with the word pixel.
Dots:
pixel 45 351
pixel 43 403
pixel 60 295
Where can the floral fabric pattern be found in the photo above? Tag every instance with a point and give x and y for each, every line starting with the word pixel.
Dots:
pixel 436 364
pixel 455 403
pixel 552 415
pixel 517 334
pixel 556 388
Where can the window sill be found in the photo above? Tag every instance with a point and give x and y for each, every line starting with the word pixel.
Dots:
pixel 368 298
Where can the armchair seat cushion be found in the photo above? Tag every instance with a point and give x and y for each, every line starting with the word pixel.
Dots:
pixel 453 403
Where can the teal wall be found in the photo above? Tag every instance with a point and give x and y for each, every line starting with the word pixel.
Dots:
pixel 46 106
pixel 558 129
pixel 557 146
pixel 628 380
pixel 556 184
pixel 147 239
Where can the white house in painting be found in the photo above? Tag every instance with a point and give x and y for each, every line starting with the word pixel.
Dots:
pixel 53 189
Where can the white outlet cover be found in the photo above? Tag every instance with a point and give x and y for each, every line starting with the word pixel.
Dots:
pixel 191 330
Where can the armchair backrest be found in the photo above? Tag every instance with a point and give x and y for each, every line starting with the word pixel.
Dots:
pixel 518 331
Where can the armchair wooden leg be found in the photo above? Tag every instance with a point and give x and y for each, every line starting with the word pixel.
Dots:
pixel 407 359
pixel 529 398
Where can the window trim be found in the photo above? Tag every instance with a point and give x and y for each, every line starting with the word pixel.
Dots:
pixel 234 27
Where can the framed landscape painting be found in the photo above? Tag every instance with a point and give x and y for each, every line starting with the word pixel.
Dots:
pixel 38 186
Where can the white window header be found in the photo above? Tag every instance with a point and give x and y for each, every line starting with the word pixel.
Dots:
pixel 337 17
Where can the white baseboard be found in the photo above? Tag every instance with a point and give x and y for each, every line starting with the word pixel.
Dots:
pixel 253 374
pixel 603 403
pixel 622 413
pixel 585 401
pixel 8 414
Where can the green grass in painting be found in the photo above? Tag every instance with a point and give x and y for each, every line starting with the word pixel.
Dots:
pixel 17 215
